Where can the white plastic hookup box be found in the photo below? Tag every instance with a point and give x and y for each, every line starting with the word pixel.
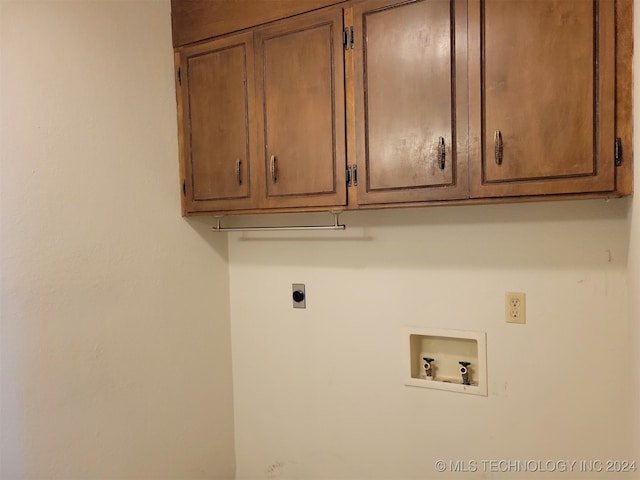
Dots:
pixel 447 348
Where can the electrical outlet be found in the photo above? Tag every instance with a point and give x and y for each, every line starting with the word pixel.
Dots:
pixel 515 307
pixel 299 295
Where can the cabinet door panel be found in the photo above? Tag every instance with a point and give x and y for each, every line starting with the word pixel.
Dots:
pixel 301 90
pixel 547 86
pixel 410 62
pixel 217 93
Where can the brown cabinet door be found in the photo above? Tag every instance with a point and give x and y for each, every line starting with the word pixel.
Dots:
pixel 217 135
pixel 411 100
pixel 542 103
pixel 300 90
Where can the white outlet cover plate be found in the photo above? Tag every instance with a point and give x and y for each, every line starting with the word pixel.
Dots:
pixel 515 307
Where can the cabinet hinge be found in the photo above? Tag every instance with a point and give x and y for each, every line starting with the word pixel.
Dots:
pixel 348 38
pixel 184 188
pixel 617 151
pixel 179 77
pixel 352 175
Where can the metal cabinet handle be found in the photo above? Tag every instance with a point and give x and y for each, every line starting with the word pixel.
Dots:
pixel 497 144
pixel 238 176
pixel 274 177
pixel 442 153
pixel 352 175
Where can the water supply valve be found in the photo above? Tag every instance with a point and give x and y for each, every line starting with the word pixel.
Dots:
pixel 428 368
pixel 464 371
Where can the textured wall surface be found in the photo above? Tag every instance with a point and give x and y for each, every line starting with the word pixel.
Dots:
pixel 319 392
pixel 634 240
pixel 115 350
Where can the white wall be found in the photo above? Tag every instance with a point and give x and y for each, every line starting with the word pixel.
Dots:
pixel 115 351
pixel 319 392
pixel 634 238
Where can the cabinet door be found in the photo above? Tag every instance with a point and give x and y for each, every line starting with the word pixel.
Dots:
pixel 300 65
pixel 542 102
pixel 217 134
pixel 411 100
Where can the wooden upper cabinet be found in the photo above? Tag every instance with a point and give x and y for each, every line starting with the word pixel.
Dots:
pixel 543 101
pixel 300 92
pixel 217 134
pixel 428 101
pixel 411 100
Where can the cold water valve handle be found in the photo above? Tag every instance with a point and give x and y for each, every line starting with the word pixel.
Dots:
pixel 428 369
pixel 464 371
